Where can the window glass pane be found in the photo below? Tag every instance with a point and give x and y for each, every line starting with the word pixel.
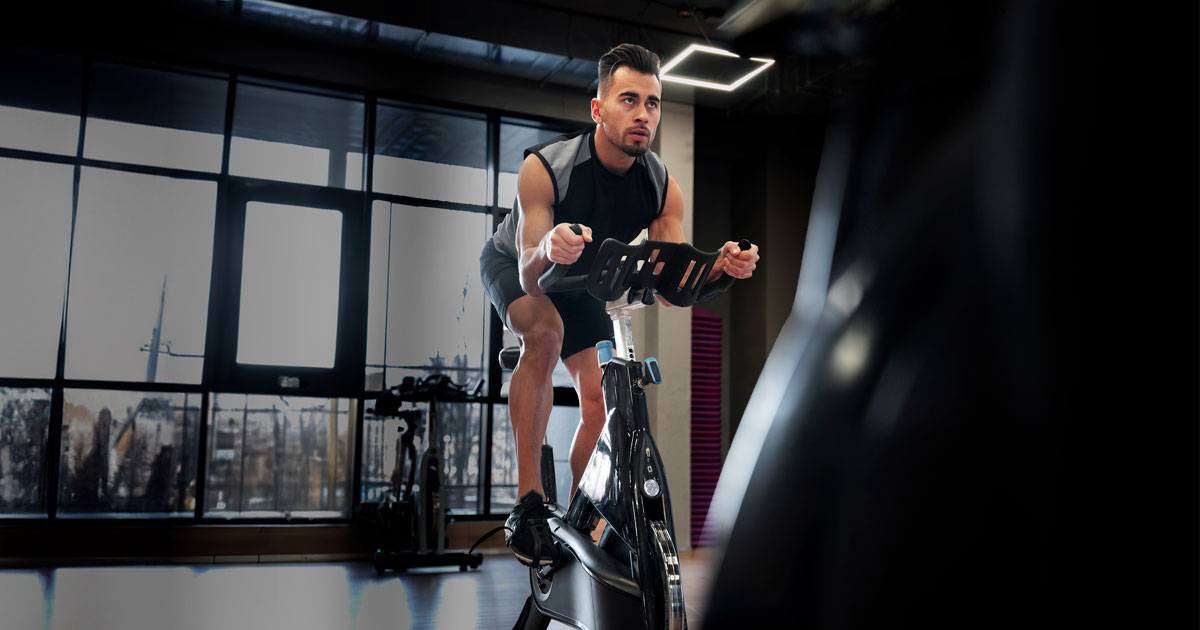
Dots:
pixel 128 452
pixel 559 433
pixel 35 231
pixel 24 423
pixel 290 281
pixel 143 251
pixel 434 304
pixel 40 102
pixel 459 432
pixel 155 118
pixel 431 155
pixel 514 139
pixel 297 137
pixel 458 427
pixel 273 456
pixel 504 461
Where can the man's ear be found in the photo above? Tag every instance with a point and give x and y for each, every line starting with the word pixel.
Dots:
pixel 596 117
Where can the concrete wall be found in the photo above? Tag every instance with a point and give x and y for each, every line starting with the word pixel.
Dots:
pixel 666 333
pixel 754 179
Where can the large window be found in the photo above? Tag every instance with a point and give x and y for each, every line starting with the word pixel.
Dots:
pixel 208 279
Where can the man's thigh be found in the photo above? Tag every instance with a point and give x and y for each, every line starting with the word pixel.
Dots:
pixel 585 322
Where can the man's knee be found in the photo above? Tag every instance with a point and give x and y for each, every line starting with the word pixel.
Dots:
pixel 541 344
pixel 591 404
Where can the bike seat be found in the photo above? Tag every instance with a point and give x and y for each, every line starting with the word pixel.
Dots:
pixel 509 357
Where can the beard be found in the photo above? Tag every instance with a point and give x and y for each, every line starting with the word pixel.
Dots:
pixel 628 147
pixel 632 150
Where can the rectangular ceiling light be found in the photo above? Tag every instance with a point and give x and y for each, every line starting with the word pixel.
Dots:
pixel 708 67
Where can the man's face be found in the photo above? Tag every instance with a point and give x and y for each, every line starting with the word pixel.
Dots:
pixel 628 113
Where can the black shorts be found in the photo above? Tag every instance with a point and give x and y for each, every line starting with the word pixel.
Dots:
pixel 585 322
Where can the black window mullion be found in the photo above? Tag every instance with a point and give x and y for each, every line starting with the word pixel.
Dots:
pixel 495 330
pixel 218 232
pixel 359 436
pixel 51 460
pixel 53 457
pixel 230 99
pixel 202 457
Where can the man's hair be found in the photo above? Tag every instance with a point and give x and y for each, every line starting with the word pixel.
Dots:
pixel 635 57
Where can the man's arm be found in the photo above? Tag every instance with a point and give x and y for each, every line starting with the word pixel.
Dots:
pixel 669 227
pixel 539 241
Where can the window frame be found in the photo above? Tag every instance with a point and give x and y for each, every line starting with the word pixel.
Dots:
pixel 222 372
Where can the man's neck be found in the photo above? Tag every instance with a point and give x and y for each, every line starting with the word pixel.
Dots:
pixel 613 158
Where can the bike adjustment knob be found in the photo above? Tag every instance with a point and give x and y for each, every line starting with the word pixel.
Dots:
pixel 604 351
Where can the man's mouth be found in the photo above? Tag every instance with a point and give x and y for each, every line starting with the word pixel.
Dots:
pixel 640 134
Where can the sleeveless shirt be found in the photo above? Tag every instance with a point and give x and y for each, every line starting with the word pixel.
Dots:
pixel 614 206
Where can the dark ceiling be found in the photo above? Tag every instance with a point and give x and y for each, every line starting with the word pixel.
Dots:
pixel 539 43
pixel 577 32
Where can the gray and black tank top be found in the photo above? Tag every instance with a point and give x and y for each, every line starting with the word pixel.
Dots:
pixel 614 206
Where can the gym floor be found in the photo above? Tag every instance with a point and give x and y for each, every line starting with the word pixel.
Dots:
pixel 286 596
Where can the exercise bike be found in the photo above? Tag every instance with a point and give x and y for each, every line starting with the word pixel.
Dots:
pixel 631 577
pixel 415 520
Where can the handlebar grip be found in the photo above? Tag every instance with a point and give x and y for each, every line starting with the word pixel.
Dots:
pixel 556 271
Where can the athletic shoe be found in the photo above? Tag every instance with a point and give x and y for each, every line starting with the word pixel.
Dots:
pixel 527 532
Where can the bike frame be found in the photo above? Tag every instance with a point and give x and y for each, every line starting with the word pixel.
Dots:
pixel 622 479
pixel 632 578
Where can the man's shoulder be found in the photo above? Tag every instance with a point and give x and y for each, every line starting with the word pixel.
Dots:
pixel 559 143
pixel 655 169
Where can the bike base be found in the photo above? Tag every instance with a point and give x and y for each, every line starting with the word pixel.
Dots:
pixel 403 560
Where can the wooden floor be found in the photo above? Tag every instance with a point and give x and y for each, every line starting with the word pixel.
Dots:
pixel 281 596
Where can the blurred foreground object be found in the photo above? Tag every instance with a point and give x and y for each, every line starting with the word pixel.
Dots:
pixel 899 463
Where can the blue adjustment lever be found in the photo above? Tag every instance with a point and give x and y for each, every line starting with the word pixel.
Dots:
pixel 654 370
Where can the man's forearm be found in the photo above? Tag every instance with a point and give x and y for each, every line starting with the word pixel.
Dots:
pixel 532 264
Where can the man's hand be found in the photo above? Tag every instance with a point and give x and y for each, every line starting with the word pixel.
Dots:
pixel 563 246
pixel 737 262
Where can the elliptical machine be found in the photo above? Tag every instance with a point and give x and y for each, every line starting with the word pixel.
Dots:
pixel 631 578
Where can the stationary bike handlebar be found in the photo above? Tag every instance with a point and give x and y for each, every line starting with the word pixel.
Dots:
pixel 676 271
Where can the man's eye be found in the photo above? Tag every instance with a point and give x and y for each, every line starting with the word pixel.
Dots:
pixel 652 104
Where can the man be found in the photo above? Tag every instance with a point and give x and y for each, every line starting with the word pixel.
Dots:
pixel 608 181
